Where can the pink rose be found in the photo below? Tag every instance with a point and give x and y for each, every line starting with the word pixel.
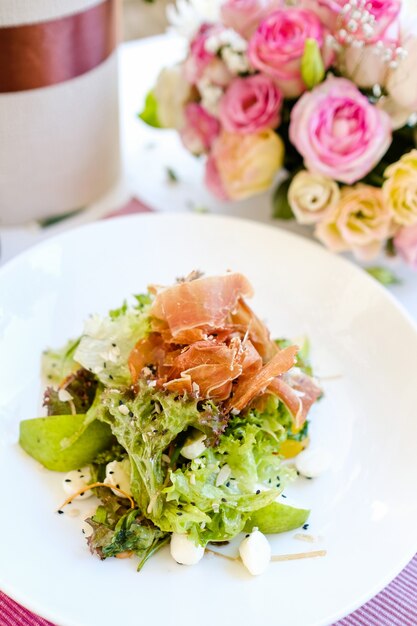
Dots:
pixel 405 242
pixel 277 47
pixel 365 63
pixel 326 10
pixel 200 129
pixel 383 17
pixel 339 132
pixel 251 104
pixel 198 58
pixel 244 16
pixel 386 25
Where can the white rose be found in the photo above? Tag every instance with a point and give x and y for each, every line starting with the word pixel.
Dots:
pixel 401 82
pixel 365 66
pixel 312 196
pixel 172 92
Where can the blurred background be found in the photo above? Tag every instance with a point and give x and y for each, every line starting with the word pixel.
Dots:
pixel 142 19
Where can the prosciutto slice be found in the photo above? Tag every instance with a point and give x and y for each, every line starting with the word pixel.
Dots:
pixel 209 367
pixel 249 387
pixel 246 319
pixel 148 351
pixel 298 392
pixel 204 303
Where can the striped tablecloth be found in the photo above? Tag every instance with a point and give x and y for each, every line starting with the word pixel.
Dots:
pixel 396 605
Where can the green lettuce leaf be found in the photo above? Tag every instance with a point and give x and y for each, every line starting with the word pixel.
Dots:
pixel 151 422
pixel 208 511
pixel 107 342
pixel 58 364
pixel 117 529
pixel 210 497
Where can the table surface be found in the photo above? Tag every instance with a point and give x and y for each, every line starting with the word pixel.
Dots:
pixel 146 155
pixel 148 152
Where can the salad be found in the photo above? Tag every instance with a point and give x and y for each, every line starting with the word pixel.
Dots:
pixel 179 412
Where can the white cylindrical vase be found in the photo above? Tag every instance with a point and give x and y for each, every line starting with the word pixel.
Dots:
pixel 59 117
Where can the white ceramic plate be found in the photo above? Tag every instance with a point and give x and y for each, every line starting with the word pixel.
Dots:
pixel 363 510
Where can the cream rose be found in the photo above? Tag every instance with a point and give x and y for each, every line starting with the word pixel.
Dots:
pixel 360 222
pixel 312 197
pixel 400 189
pixel 172 92
pixel 241 166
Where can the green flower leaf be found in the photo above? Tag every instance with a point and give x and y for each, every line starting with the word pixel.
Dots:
pixel 383 275
pixel 149 115
pixel 280 204
pixel 312 66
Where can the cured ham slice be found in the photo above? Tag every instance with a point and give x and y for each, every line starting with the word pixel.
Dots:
pixel 148 351
pixel 298 392
pixel 211 367
pixel 245 318
pixel 250 387
pixel 252 361
pixel 202 303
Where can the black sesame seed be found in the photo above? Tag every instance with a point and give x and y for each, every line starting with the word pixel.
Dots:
pixel 82 476
pixel 228 483
pixel 83 531
pixel 60 512
pixel 247 535
pixel 305 527
pixel 120 402
pixel 68 480
pixel 79 471
pixel 81 494
pixel 117 486
pixel 179 512
pixel 111 377
pixel 114 345
pixel 277 484
pixel 284 496
pixel 224 500
pixel 130 413
pixel 104 365
pixel 180 506
pixel 111 472
pixel 258 491
pixel 192 503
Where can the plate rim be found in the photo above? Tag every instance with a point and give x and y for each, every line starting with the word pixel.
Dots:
pixel 174 216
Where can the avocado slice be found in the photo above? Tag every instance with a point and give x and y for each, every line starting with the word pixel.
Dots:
pixel 45 439
pixel 277 518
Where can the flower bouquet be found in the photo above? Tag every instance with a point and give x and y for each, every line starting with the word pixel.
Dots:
pixel 324 89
